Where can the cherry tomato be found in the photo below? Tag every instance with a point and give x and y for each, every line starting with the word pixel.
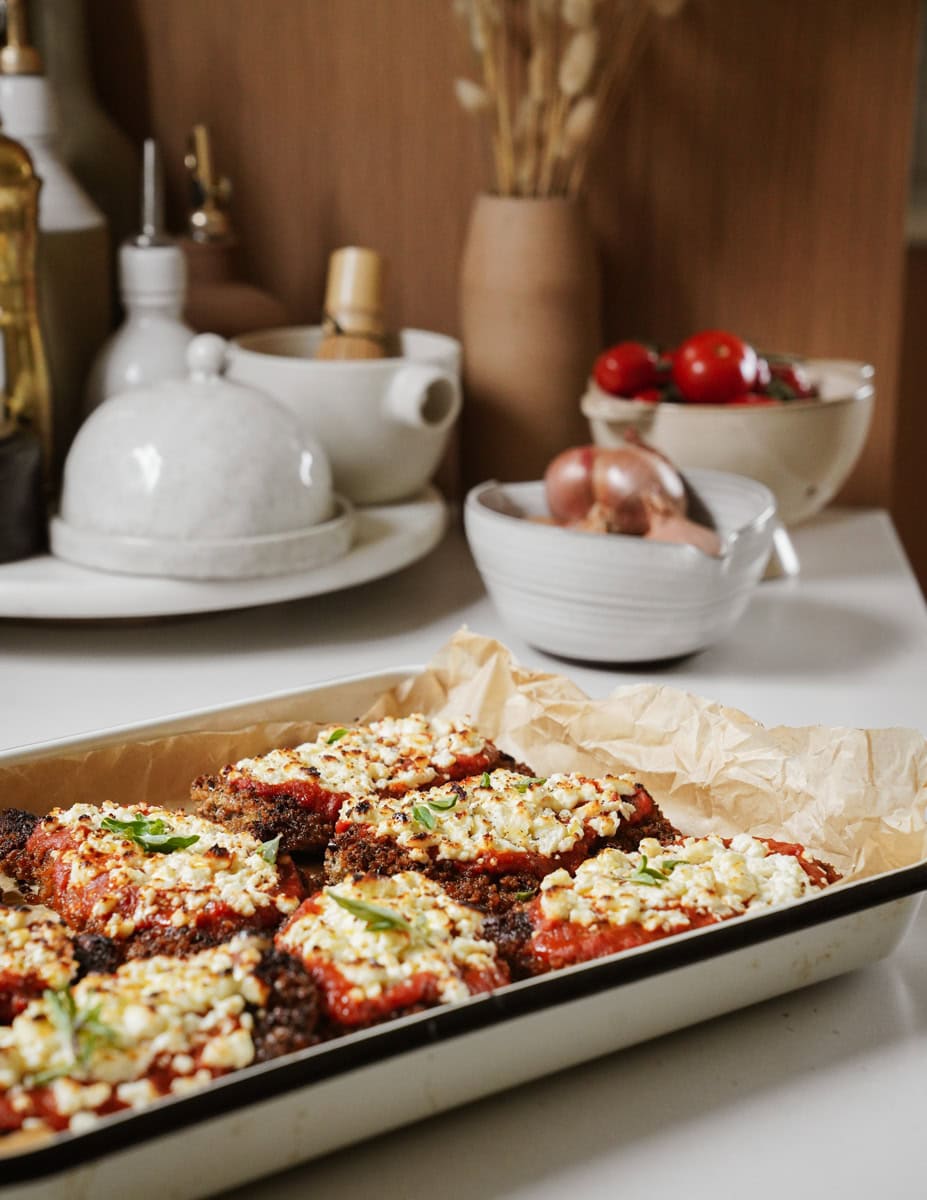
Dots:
pixel 651 395
pixel 754 398
pixel 714 367
pixel 626 369
pixel 763 374
pixel 795 377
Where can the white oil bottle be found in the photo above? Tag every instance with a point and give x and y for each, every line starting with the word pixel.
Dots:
pixel 73 274
pixel 151 343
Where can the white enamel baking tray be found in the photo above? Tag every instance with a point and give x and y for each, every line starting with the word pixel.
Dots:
pixel 269 1117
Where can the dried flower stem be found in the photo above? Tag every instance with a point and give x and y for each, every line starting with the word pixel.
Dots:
pixel 543 93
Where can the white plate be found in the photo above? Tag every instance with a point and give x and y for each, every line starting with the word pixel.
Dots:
pixel 387 537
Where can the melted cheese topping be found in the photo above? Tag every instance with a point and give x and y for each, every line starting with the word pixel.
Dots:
pixel 443 942
pixel 510 814
pixel 708 876
pixel 220 868
pixel 35 946
pixel 398 753
pixel 184 1016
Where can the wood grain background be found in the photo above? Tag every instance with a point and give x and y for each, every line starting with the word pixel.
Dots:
pixel 754 177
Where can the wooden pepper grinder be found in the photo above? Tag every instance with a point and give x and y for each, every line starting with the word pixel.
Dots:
pixel 218 300
pixel 353 325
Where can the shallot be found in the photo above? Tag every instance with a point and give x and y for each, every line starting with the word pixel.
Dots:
pixel 630 489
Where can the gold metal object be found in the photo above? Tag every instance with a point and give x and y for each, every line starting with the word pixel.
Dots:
pixel 25 395
pixel 18 57
pixel 209 219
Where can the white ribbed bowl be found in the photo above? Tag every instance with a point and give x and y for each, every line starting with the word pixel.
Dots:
pixel 613 598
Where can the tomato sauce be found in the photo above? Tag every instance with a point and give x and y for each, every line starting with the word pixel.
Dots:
pixel 308 793
pixel 561 943
pixel 345 1009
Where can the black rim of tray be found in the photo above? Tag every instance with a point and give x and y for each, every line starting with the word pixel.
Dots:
pixel 253 1085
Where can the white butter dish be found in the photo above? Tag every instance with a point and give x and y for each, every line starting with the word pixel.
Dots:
pixel 199 479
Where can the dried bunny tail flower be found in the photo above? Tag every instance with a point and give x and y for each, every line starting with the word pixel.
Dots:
pixel 578 14
pixel 667 8
pixel 578 62
pixel 472 97
pixel 578 126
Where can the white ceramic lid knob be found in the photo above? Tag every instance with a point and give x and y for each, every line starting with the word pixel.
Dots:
pixel 206 356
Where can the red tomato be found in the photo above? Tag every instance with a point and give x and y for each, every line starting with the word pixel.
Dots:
pixel 795 377
pixel 763 374
pixel 651 395
pixel 754 398
pixel 626 369
pixel 714 367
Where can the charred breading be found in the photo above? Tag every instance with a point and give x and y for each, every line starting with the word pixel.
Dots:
pixel 297 793
pixel 247 811
pixel 290 1018
pixel 16 828
pixel 511 931
pixel 647 821
pixel 356 853
pixel 96 954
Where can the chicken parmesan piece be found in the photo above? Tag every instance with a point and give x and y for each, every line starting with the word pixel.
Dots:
pixel 155 881
pixel 157 1027
pixel 298 793
pixel 490 840
pixel 384 946
pixel 36 952
pixel 619 900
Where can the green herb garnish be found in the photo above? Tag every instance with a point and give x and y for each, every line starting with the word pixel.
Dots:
pixel 423 814
pixel 653 876
pixel 485 781
pixel 373 916
pixel 336 735
pixel 152 834
pixel 442 805
pixel 81 1031
pixel 269 849
pixel 523 787
pixel 525 895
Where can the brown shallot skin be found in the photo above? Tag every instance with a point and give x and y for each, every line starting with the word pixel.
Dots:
pixel 630 489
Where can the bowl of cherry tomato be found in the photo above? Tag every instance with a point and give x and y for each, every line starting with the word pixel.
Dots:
pixel 796 425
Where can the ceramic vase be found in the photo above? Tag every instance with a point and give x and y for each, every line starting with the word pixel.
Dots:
pixel 530 322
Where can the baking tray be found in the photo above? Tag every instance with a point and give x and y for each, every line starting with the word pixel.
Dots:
pixel 272 1116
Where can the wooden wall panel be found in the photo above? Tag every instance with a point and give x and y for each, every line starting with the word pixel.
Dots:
pixel 910 486
pixel 755 176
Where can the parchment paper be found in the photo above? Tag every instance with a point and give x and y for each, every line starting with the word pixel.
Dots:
pixel 857 798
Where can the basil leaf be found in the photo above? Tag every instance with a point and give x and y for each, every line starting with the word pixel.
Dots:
pixel 269 849
pixel 444 804
pixel 152 834
pixel 336 735
pixel 485 781
pixel 81 1030
pixel 649 876
pixel 423 814
pixel 523 787
pixel 373 915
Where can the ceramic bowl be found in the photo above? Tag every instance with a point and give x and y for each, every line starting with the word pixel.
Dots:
pixel 198 479
pixel 384 422
pixel 614 598
pixel 803 451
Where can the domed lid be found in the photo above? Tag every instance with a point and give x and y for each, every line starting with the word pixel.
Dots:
pixel 185 465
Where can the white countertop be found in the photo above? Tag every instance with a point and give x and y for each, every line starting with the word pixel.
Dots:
pixel 822 1092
